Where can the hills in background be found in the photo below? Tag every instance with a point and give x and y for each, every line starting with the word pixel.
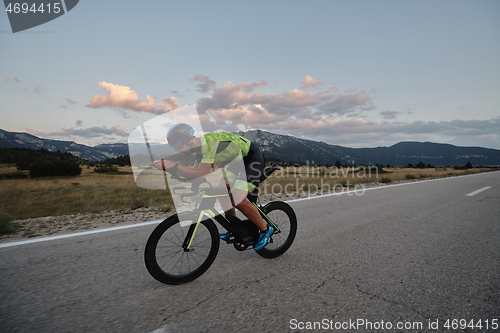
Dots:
pixel 97 153
pixel 291 149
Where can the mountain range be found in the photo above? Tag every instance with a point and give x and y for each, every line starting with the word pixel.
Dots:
pixel 291 149
pixel 97 153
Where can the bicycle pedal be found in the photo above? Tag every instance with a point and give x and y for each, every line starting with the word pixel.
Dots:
pixel 241 247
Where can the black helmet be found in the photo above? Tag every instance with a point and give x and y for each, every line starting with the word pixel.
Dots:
pixel 179 135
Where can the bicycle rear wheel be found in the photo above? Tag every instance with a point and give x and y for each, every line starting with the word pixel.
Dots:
pixel 284 217
pixel 167 260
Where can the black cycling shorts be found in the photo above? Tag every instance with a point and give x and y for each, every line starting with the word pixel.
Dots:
pixel 254 169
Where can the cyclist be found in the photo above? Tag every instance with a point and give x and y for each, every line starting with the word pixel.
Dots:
pixel 210 148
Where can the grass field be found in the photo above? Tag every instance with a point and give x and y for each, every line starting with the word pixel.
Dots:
pixel 94 192
pixel 89 192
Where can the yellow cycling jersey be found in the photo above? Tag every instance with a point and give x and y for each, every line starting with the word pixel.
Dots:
pixel 223 147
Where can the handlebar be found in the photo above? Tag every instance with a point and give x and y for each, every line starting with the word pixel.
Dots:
pixel 194 188
pixel 268 171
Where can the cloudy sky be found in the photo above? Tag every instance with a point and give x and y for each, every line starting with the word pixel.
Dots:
pixel 352 73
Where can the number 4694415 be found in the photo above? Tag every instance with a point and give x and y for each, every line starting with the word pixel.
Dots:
pixel 472 324
pixel 24 8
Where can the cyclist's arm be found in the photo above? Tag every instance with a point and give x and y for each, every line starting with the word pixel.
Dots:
pixel 199 169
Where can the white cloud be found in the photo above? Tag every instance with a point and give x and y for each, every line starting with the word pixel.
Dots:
pixel 205 84
pixel 124 98
pixel 310 82
pixel 360 133
pixel 233 105
pixel 328 115
pixel 331 117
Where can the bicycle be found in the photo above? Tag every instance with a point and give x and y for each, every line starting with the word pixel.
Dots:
pixel 176 254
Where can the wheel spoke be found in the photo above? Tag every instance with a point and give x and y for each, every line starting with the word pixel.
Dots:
pixel 172 261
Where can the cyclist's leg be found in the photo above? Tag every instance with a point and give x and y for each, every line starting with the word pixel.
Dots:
pixel 226 202
pixel 249 210
pixel 254 168
pixel 255 164
pixel 239 201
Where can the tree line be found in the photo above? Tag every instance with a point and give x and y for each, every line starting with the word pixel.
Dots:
pixel 42 162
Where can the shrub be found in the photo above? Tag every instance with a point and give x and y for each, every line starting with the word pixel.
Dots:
pixel 309 187
pixel 106 168
pixel 166 208
pixel 346 183
pixel 468 165
pixel 23 164
pixel 421 165
pixel 410 176
pixel 42 168
pixel 6 224
pixel 386 180
pixel 122 160
pixel 136 203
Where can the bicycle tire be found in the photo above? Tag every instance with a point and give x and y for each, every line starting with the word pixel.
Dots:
pixel 167 261
pixel 284 217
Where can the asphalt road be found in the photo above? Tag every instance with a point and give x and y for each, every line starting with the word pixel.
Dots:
pixel 419 253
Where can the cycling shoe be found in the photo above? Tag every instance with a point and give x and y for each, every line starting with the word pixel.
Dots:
pixel 264 237
pixel 225 235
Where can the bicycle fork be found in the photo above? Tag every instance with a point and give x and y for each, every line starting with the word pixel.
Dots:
pixel 188 240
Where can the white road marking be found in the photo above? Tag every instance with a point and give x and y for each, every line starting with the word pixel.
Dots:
pixel 351 192
pixel 478 191
pixel 294 200
pixel 83 233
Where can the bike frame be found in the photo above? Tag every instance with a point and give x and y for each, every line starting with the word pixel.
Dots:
pixel 207 207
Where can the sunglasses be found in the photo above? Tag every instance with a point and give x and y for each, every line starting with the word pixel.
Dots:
pixel 177 145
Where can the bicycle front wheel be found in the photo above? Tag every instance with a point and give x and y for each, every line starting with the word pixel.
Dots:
pixel 165 255
pixel 284 217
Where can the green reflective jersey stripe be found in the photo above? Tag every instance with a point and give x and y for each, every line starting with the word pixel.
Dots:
pixel 210 142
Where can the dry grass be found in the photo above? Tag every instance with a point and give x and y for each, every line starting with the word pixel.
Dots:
pixel 89 192
pixel 5 168
pixel 93 192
